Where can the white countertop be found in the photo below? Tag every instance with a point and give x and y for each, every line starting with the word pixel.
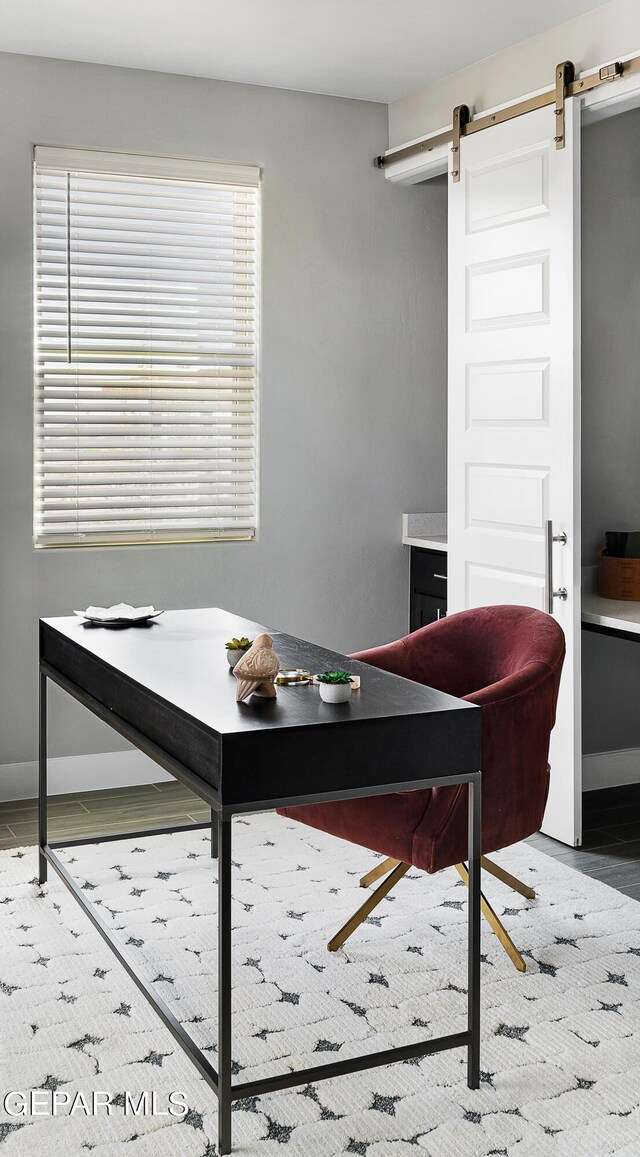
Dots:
pixel 618 615
pixel 433 542
pixel 428 531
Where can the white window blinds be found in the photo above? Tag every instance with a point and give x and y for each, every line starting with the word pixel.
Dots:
pixel 146 325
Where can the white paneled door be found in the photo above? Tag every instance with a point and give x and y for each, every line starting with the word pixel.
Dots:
pixel 514 397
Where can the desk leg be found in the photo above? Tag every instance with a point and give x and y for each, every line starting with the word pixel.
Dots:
pixel 42 779
pixel 475 840
pixel 223 833
pixel 214 834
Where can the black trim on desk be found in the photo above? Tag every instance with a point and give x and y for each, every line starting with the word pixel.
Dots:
pixel 278 1081
pixel 197 1057
pixel 204 790
pixel 83 840
pixel 437 1044
pixel 189 778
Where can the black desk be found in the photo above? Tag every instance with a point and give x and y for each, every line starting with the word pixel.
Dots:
pixel 166 687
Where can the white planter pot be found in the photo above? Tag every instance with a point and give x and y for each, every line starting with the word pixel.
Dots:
pixel 335 692
pixel 234 656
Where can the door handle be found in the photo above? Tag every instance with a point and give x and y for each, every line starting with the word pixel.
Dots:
pixel 562 592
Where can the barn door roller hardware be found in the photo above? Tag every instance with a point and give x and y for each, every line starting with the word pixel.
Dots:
pixel 461 117
pixel 565 75
pixel 565 85
pixel 463 125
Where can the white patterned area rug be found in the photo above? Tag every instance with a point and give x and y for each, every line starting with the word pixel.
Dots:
pixel 561 1044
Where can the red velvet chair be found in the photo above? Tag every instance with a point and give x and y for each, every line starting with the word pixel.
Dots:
pixel 508 660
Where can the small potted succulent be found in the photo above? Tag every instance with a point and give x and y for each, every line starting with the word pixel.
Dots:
pixel 335 686
pixel 236 648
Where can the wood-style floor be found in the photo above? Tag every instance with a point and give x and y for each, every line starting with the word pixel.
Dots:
pixel 611 839
pixel 150 805
pixel 610 852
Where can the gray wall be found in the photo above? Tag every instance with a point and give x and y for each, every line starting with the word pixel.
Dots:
pixel 610 403
pixel 353 370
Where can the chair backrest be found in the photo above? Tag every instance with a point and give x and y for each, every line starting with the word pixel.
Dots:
pixel 508 660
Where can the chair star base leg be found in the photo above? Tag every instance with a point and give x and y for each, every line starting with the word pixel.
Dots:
pixel 495 924
pixel 506 878
pixel 370 903
pixel 397 870
pixel 379 870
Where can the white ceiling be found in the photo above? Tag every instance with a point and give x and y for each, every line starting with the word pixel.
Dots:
pixel 370 49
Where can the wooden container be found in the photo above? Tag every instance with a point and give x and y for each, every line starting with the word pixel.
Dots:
pixel 620 578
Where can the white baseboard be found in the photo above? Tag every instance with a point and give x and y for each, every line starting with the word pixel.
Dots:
pixel 610 768
pixel 80 773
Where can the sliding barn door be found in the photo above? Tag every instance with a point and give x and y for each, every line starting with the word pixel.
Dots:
pixel 514 396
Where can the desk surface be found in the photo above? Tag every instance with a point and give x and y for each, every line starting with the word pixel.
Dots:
pixel 181 658
pixel 171 681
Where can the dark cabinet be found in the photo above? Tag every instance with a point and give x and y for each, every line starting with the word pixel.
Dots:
pixel 427 587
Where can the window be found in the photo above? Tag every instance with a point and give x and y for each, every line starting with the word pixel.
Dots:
pixel 146 326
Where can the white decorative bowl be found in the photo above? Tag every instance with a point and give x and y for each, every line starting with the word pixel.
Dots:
pixel 119 613
pixel 335 692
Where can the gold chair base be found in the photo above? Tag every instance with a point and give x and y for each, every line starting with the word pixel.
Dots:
pixel 397 869
pixel 377 872
pixel 372 902
pixel 506 878
pixel 495 924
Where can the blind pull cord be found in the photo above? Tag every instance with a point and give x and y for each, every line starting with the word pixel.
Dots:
pixel 69 356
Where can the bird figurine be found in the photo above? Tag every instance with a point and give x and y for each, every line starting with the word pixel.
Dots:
pixel 256 670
